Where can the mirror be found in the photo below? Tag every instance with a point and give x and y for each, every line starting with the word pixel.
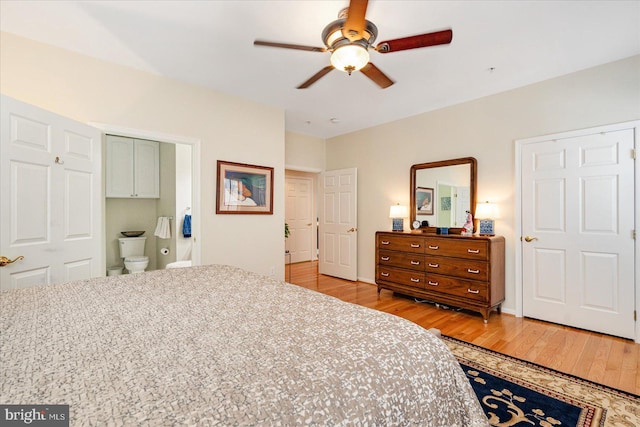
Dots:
pixel 442 192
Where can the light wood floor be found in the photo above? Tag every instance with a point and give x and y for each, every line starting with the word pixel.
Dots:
pixel 601 358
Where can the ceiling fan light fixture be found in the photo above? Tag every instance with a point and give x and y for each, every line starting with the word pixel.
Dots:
pixel 349 58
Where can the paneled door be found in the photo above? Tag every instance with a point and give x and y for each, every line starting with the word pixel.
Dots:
pixel 51 208
pixel 578 230
pixel 338 224
pixel 300 218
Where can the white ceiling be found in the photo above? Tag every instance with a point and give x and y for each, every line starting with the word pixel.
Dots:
pixel 210 43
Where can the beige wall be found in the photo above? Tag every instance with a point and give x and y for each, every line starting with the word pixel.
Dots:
pixel 486 129
pixel 91 90
pixel 303 152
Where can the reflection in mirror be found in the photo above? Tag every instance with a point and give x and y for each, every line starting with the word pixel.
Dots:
pixel 442 193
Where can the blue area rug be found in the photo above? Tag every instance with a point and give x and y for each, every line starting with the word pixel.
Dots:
pixel 514 392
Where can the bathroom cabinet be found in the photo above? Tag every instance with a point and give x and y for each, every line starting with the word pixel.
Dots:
pixel 132 168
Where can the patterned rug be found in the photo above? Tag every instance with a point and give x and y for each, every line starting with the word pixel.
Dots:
pixel 513 392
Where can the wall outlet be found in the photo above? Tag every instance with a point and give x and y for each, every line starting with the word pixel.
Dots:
pixel 272 271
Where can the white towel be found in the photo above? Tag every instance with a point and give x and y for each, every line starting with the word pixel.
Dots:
pixel 163 229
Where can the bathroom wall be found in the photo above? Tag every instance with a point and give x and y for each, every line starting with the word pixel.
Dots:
pixel 125 215
pixel 166 204
pixel 184 172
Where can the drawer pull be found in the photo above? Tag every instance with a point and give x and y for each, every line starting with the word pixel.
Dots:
pixel 434 265
pixel 415 245
pixel 385 258
pixel 471 291
pixel 383 274
pixel 473 251
pixel 415 262
pixel 435 248
pixel 415 280
pixel 473 271
pixel 384 242
pixel 433 283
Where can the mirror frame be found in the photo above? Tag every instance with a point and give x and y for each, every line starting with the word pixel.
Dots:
pixel 473 179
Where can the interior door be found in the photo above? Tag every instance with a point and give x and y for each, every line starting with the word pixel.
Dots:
pixel 577 224
pixel 299 216
pixel 338 224
pixel 51 209
pixel 462 205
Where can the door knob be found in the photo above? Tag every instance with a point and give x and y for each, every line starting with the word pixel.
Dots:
pixel 351 230
pixel 4 260
pixel 529 239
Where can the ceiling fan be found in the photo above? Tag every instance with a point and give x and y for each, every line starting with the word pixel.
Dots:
pixel 349 39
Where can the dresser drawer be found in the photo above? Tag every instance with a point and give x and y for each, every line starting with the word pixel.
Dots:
pixel 477 291
pixel 402 277
pixel 459 248
pixel 460 271
pixel 402 243
pixel 401 259
pixel 466 268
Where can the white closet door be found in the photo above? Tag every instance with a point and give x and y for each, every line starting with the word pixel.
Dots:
pixel 577 223
pixel 51 198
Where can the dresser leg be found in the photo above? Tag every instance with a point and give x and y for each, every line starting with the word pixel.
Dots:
pixel 379 289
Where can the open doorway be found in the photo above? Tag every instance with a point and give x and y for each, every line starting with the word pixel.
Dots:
pixel 301 216
pixel 185 186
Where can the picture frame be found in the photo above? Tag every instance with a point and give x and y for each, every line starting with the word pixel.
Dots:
pixel 244 189
pixel 424 201
pixel 445 203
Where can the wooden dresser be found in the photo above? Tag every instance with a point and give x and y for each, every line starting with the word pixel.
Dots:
pixel 460 271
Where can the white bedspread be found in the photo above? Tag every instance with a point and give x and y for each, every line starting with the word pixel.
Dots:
pixel 216 345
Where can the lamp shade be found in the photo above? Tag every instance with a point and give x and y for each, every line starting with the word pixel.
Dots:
pixel 486 211
pixel 350 58
pixel 398 211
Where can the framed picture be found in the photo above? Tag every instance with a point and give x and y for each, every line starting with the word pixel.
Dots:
pixel 445 203
pixel 424 201
pixel 244 189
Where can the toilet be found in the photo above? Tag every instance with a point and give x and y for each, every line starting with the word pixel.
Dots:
pixel 132 250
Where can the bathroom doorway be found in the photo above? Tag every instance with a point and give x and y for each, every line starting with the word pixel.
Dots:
pixel 179 189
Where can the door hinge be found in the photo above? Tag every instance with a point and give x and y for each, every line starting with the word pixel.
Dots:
pixel 633 153
pixel 633 234
pixel 635 317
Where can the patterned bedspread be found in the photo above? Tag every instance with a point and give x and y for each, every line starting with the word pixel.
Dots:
pixel 216 345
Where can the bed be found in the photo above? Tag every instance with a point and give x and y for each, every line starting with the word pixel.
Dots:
pixel 217 345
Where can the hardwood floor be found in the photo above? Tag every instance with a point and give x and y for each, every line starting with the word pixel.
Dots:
pixel 600 358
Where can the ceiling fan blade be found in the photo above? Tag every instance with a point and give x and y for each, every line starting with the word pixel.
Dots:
pixel 289 46
pixel 376 75
pixel 355 24
pixel 414 42
pixel 316 77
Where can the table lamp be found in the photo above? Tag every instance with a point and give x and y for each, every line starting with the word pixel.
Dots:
pixel 398 213
pixel 486 213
